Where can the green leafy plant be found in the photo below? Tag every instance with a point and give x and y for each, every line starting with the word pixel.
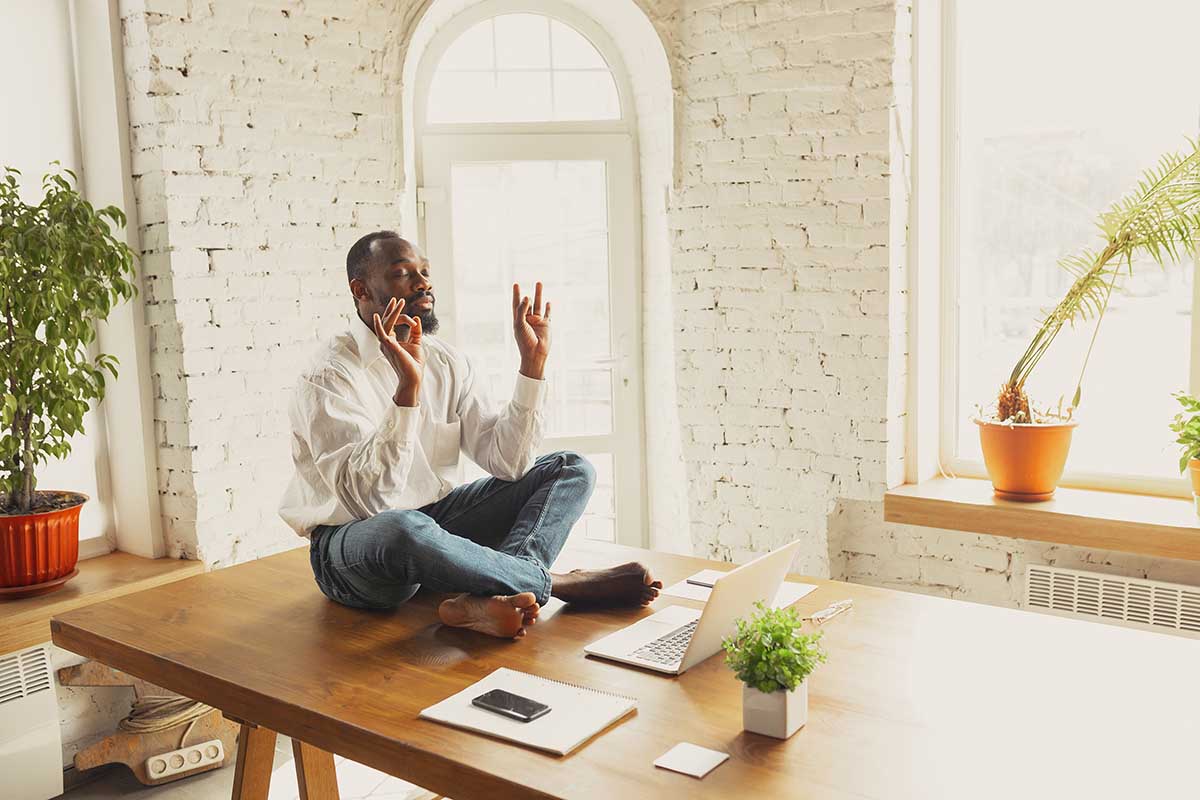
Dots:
pixel 1161 219
pixel 769 653
pixel 61 271
pixel 1187 429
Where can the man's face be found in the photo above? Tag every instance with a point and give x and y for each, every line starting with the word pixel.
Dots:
pixel 398 269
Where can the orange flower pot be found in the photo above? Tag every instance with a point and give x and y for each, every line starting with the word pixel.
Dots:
pixel 1025 461
pixel 39 548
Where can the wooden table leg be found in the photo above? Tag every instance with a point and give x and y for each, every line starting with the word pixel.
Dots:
pixel 315 772
pixel 255 758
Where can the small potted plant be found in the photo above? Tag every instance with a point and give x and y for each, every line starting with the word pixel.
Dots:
pixel 1187 429
pixel 1025 449
pixel 61 271
pixel 773 659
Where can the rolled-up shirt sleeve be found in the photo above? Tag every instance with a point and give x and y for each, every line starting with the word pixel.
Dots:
pixel 364 458
pixel 504 443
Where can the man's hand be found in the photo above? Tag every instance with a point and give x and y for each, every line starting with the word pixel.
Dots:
pixel 404 354
pixel 531 328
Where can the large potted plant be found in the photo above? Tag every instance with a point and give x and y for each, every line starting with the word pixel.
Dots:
pixel 61 271
pixel 1025 449
pixel 1186 427
pixel 773 659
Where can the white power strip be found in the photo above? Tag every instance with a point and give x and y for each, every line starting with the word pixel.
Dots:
pixel 164 765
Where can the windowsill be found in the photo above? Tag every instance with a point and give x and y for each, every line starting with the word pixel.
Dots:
pixel 1166 527
pixel 26 621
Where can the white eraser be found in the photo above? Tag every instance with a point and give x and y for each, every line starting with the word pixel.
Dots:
pixel 691 759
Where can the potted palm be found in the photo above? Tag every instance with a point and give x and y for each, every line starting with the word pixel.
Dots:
pixel 773 659
pixel 61 271
pixel 1025 449
pixel 1187 429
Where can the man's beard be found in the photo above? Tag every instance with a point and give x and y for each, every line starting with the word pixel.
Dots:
pixel 429 320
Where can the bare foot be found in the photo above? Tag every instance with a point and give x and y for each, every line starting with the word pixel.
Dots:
pixel 627 585
pixel 505 617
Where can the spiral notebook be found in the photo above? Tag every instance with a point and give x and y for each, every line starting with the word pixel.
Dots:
pixel 576 712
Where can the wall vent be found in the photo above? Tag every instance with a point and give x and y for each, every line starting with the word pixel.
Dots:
pixel 1131 602
pixel 23 674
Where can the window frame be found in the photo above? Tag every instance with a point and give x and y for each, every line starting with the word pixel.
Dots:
pixel 613 140
pixel 948 354
pixel 128 406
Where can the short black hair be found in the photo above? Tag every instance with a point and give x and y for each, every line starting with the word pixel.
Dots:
pixel 360 254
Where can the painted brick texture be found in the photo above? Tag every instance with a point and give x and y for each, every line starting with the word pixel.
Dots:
pixel 263 139
pixel 784 264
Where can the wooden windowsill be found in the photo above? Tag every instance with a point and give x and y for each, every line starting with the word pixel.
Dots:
pixel 1132 523
pixel 25 622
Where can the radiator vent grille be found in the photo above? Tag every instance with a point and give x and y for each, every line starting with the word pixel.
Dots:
pixel 1111 597
pixel 23 674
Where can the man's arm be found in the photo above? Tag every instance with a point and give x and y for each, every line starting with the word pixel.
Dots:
pixel 366 461
pixel 505 443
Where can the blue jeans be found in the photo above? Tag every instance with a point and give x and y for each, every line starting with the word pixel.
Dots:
pixel 488 537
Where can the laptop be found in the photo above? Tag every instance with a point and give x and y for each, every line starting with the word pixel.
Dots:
pixel 678 637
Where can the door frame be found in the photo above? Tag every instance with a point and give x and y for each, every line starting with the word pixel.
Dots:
pixel 439 151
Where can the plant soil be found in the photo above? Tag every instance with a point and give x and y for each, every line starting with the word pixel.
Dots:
pixel 43 502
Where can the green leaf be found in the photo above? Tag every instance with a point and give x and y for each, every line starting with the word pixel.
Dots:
pixel 61 271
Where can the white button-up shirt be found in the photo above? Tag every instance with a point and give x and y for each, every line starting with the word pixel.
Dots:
pixel 357 453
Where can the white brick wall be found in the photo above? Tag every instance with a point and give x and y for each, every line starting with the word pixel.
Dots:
pixel 263 145
pixel 785 259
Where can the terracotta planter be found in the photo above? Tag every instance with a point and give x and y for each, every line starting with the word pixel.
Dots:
pixel 775 714
pixel 36 549
pixel 1194 472
pixel 1025 461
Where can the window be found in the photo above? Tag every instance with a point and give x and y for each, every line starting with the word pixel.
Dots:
pixel 69 107
pixel 1056 110
pixel 525 156
pixel 522 68
pixel 50 133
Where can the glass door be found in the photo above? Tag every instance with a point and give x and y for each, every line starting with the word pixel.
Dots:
pixel 511 209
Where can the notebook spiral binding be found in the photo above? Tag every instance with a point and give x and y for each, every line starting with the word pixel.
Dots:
pixel 570 685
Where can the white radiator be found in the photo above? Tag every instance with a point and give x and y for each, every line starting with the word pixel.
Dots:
pixel 1131 602
pixel 30 741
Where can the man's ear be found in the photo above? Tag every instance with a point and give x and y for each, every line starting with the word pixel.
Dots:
pixel 358 288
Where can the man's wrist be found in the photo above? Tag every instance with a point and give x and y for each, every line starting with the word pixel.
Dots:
pixel 406 397
pixel 534 368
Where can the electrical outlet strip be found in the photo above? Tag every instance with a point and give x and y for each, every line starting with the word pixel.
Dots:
pixel 173 762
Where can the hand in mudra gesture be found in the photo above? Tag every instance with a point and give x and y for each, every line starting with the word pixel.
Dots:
pixel 531 328
pixel 403 352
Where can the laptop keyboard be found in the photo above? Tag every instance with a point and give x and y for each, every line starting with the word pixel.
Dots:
pixel 669 648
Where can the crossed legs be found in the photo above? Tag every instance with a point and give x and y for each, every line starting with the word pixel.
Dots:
pixel 490 543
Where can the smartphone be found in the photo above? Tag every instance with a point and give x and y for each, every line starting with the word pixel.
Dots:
pixel 511 705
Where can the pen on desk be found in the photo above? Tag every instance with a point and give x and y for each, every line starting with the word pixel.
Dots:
pixel 700 582
pixel 831 611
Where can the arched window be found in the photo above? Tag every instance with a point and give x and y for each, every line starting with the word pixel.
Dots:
pixel 525 149
pixel 522 68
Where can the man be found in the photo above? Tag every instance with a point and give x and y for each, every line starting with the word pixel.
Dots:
pixel 378 423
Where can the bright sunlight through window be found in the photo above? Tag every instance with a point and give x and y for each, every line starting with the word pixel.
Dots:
pixel 522 68
pixel 1060 107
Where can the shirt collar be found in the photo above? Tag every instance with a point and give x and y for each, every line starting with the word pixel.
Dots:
pixel 365 340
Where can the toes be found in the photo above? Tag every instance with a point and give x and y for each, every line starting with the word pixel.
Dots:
pixel 522 601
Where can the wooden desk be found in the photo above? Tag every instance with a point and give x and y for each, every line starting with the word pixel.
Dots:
pixel 921 697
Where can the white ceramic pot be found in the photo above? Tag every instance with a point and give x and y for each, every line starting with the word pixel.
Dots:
pixel 777 714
